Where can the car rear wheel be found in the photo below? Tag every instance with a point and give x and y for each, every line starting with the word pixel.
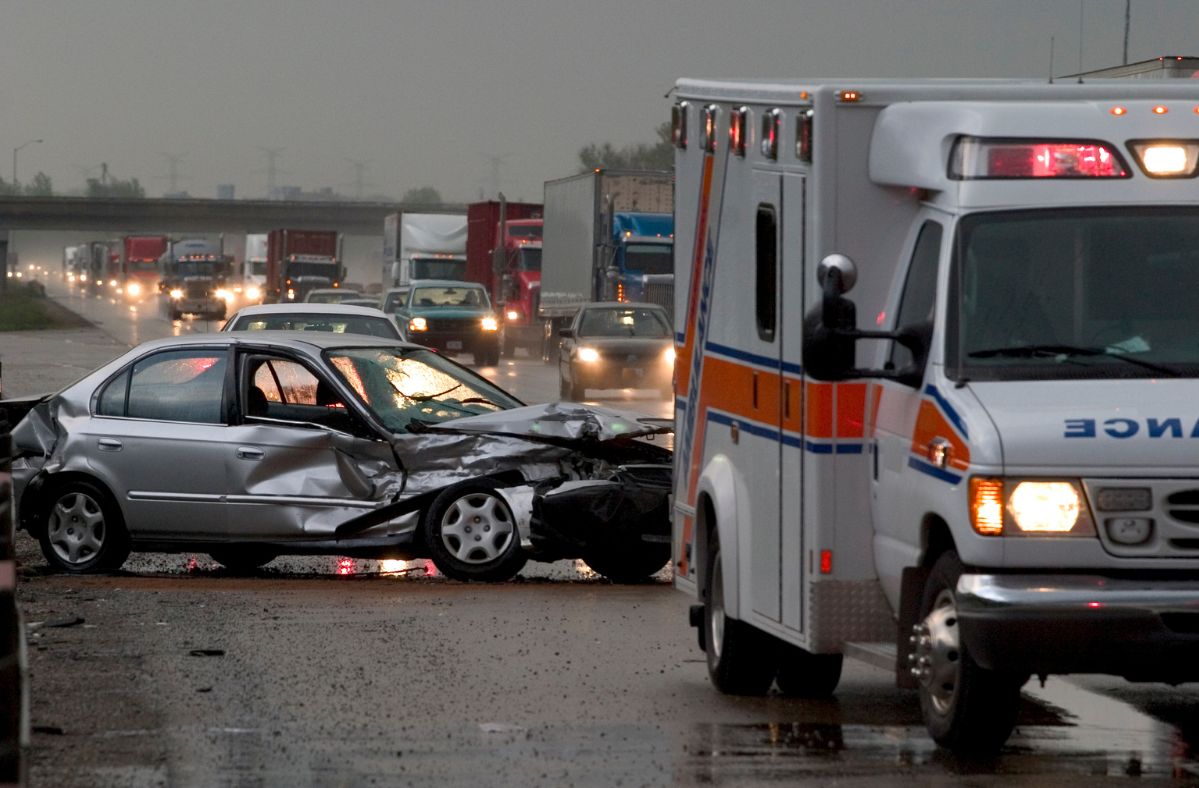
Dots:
pixel 471 534
pixel 742 660
pixel 628 562
pixel 83 531
pixel 240 559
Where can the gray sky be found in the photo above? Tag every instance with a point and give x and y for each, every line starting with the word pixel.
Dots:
pixel 428 90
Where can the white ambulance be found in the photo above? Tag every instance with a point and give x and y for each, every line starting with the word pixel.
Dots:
pixel 991 472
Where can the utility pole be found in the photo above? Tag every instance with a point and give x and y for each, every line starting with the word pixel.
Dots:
pixel 1127 26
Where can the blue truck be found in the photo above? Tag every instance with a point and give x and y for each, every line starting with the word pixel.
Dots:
pixel 608 236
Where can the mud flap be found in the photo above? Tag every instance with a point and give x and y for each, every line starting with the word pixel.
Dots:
pixel 911 588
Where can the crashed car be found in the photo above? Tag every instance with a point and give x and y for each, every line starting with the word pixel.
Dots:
pixel 250 445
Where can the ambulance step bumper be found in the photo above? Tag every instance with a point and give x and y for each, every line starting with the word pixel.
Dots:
pixel 1141 629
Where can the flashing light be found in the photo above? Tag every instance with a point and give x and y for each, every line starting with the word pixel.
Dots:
pixel 588 355
pixel 1166 158
pixel 1119 111
pixel 491 324
pixel 418 324
pixel 976 158
pixel 253 292
pixel 176 294
pixel 711 112
pixel 849 96
pixel 986 505
pixel 133 289
pixel 771 125
pixel 679 114
pixel 1160 109
pixel 512 314
pixel 620 291
pixel 737 131
pixel 826 562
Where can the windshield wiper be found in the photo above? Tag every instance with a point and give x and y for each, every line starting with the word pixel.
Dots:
pixel 1040 351
pixel 427 397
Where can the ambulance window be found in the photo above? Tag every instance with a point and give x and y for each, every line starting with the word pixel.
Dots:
pixel 766 271
pixel 920 290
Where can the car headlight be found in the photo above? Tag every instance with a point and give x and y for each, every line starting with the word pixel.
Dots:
pixel 253 292
pixel 176 294
pixel 224 295
pixel 1029 507
pixel 291 294
pixel 512 314
pixel 668 355
pixel 491 324
pixel 134 289
pixel 587 355
pixel 83 277
pixel 418 324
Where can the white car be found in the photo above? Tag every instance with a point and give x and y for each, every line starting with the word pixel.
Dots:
pixel 335 318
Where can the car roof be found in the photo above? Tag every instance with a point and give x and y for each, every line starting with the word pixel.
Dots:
pixel 443 283
pixel 303 308
pixel 295 340
pixel 334 290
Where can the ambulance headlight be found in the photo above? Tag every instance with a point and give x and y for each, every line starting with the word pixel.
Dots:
pixel 1167 158
pixel 1029 507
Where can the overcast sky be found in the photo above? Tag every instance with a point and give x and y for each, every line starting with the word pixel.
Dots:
pixel 429 92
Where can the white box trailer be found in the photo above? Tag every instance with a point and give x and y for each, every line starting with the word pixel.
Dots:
pixel 423 246
pixel 999 478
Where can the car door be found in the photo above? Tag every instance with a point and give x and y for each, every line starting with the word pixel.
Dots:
pixel 303 461
pixel 158 439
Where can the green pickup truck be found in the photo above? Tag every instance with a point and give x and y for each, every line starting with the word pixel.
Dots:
pixel 452 317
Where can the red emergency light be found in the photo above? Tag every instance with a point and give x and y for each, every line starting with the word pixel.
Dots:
pixel 738 120
pixel 771 124
pixel 976 158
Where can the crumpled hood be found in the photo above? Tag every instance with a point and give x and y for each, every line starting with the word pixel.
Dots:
pixel 1105 426
pixel 561 422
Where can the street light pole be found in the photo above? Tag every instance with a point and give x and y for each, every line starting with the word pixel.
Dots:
pixel 14 158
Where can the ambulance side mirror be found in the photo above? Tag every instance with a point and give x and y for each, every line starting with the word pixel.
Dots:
pixel 829 329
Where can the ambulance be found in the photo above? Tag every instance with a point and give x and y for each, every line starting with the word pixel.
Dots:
pixel 936 391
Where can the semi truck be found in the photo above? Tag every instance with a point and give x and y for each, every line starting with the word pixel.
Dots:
pixel 936 385
pixel 608 236
pixel 138 266
pixel 194 274
pixel 299 261
pixel 253 268
pixel 503 253
pixel 423 246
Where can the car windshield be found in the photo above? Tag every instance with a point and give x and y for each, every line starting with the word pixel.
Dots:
pixel 618 322
pixel 1076 294
pixel 199 268
pixel 337 324
pixel 650 258
pixel 449 296
pixel 411 388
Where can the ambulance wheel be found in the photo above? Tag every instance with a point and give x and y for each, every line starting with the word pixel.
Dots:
pixel 967 708
pixel 742 660
pixel 803 674
pixel 471 534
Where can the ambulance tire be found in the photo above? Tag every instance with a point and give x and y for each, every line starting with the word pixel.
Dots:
pixel 742 660
pixel 803 674
pixel 967 709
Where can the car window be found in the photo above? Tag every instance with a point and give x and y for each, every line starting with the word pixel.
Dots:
pixel 181 385
pixel 618 322
pixel 285 389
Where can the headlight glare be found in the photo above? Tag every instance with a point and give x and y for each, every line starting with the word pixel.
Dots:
pixel 133 289
pixel 418 324
pixel 1045 507
pixel 668 355
pixel 253 293
pixel 588 355
pixel 176 294
pixel 490 324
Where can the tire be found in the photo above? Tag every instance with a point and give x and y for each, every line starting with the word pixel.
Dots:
pixel 82 530
pixel 966 708
pixel 242 560
pixel 628 562
pixel 742 660
pixel 459 549
pixel 803 674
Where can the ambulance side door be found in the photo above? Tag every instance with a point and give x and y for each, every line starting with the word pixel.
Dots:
pixel 896 471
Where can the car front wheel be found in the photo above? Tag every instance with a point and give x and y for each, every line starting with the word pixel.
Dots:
pixel 83 529
pixel 471 534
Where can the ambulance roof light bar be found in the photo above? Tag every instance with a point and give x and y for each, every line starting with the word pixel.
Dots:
pixel 1167 158
pixel 980 158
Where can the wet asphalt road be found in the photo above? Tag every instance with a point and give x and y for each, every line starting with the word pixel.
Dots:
pixel 334 672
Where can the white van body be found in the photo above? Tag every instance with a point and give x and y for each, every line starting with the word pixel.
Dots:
pixel 828 503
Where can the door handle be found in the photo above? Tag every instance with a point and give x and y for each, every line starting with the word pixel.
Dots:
pixel 109 444
pixel 249 453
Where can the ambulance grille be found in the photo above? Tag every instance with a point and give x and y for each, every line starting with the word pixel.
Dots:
pixel 1187 498
pixel 1187 506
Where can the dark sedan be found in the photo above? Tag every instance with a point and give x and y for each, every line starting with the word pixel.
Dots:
pixel 616 345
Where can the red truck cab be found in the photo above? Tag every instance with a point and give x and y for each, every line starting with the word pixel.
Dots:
pixel 506 259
